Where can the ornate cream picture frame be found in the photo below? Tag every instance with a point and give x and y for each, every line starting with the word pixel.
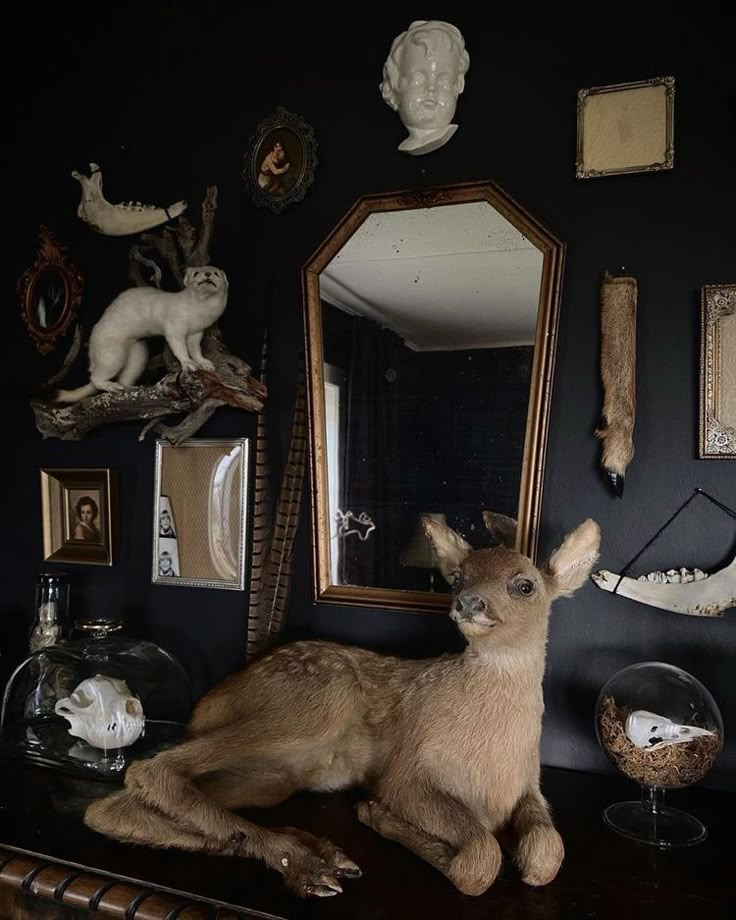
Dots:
pixel 718 372
pixel 625 128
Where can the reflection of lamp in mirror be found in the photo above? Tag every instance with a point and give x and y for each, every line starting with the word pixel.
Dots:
pixel 419 552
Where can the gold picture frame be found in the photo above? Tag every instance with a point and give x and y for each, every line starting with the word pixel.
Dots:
pixel 718 372
pixel 79 513
pixel 625 128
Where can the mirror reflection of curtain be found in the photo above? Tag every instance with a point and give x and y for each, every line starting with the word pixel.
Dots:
pixel 372 483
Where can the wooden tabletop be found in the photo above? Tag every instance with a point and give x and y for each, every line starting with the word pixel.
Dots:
pixel 43 843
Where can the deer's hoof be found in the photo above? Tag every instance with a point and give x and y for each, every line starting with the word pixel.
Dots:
pixel 540 856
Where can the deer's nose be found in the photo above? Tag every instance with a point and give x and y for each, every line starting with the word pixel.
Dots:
pixel 467 605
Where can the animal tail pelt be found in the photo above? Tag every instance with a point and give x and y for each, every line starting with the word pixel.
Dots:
pixel 618 372
pixel 72 396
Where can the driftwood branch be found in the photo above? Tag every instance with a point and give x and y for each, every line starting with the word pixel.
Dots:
pixel 165 246
pixel 179 246
pixel 199 254
pixel 71 357
pixel 195 395
pixel 135 261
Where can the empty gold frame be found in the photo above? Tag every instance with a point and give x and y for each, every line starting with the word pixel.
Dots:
pixel 625 128
pixel 432 286
pixel 718 372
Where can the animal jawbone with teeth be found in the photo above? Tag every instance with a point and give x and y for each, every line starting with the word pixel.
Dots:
pixel 118 219
pixel 687 591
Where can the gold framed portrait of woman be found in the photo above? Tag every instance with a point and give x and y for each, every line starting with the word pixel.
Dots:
pixel 79 513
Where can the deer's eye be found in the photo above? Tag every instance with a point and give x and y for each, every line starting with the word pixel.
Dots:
pixel 524 586
pixel 455 578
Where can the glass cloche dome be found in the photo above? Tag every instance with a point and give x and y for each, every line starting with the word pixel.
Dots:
pixel 660 727
pixel 92 705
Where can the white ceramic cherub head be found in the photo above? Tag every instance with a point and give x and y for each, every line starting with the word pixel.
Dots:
pixel 422 78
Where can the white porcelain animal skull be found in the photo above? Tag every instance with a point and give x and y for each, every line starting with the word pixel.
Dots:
pixel 649 730
pixel 103 711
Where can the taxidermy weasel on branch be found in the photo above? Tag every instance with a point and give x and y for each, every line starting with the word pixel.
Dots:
pixel 116 346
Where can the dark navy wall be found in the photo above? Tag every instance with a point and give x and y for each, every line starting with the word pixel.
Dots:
pixel 181 87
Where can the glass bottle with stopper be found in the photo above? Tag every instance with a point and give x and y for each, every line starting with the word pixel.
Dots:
pixel 51 621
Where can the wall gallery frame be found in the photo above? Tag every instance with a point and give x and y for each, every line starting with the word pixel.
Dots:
pixel 718 372
pixel 50 293
pixel 201 513
pixel 280 161
pixel 625 128
pixel 79 512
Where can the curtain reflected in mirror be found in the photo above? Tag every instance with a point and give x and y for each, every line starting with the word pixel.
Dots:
pixel 423 324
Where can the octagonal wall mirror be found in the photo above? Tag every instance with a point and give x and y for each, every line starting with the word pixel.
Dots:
pixel 430 324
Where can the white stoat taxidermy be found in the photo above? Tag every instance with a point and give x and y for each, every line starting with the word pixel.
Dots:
pixel 116 346
pixel 118 219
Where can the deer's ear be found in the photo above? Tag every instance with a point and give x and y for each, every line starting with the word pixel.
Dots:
pixel 569 566
pixel 501 528
pixel 450 547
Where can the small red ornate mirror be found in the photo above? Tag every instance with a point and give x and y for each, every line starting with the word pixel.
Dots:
pixel 50 292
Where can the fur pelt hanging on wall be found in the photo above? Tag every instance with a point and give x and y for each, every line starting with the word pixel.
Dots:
pixel 618 372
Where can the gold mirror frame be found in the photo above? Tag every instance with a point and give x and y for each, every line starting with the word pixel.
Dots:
pixel 530 496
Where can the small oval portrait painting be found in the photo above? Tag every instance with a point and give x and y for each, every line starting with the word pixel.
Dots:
pixel 280 162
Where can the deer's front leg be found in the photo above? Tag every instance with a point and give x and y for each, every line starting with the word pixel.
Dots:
pixel 444 833
pixel 539 848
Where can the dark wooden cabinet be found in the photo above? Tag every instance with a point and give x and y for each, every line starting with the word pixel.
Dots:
pixel 52 866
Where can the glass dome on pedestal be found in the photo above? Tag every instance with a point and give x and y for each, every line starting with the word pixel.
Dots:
pixel 92 705
pixel 662 728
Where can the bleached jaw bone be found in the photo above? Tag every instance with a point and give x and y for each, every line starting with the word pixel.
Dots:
pixel 118 219
pixel 704 596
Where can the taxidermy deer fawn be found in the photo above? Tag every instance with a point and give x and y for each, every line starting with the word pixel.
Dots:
pixel 447 747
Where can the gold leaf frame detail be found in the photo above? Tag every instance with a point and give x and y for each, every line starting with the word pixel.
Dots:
pixel 717 441
pixel 668 154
